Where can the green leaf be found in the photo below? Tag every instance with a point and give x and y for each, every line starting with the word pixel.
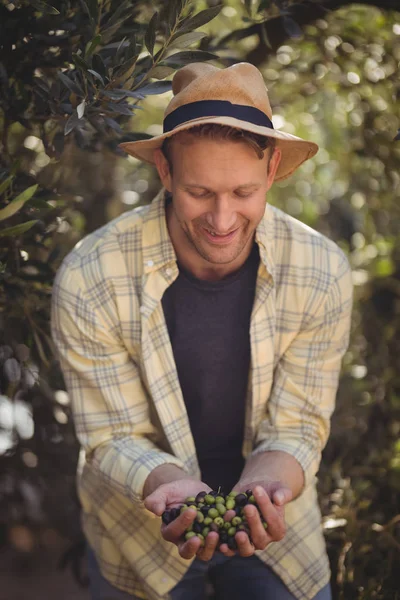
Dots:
pixel 150 37
pixel 122 109
pixel 44 8
pixel 161 72
pixel 4 185
pixel 185 40
pixel 184 58
pixel 79 62
pixel 157 87
pixel 203 17
pixel 80 109
pixel 71 85
pixel 71 123
pixel 92 45
pixel 118 12
pixel 96 75
pixel 18 202
pixel 17 229
pixel 126 68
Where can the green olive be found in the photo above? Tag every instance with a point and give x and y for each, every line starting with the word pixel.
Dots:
pixel 219 500
pixel 207 521
pixel 190 500
pixel 232 531
pixel 206 530
pixel 227 525
pixel 189 535
pixel 200 517
pixel 252 500
pixel 213 512
pixel 230 503
pixel 233 494
pixel 265 524
pixel 220 508
pixel 236 521
pixel 219 521
pixel 209 499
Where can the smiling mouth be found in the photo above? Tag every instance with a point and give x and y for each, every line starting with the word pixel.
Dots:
pixel 220 239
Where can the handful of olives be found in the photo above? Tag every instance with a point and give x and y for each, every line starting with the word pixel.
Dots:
pixel 212 508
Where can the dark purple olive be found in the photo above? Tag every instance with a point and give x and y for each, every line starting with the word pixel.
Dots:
pixel 166 517
pixel 214 527
pixel 205 509
pixel 241 499
pixel 249 493
pixel 213 493
pixel 223 537
pixel 175 512
pixel 237 510
pixel 200 497
pixel 232 545
pixel 197 527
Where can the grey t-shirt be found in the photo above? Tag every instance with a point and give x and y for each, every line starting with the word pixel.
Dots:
pixel 208 324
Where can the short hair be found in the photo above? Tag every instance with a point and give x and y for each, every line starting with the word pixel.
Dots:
pixel 216 131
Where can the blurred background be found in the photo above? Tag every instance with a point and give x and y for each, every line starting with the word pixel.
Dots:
pixel 76 79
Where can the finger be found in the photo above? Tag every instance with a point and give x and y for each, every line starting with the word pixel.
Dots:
pixel 156 502
pixel 226 551
pixel 210 545
pixel 259 536
pixel 271 514
pixel 176 529
pixel 245 547
pixel 190 548
pixel 282 496
pixel 228 516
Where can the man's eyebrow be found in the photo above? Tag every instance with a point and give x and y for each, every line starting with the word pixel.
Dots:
pixel 239 187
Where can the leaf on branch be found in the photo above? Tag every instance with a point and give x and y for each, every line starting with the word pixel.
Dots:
pixel 72 122
pixel 292 28
pixel 161 72
pixel 121 109
pixel 96 75
pixel 203 17
pixel 113 124
pixel 125 70
pixel 80 109
pixel 116 15
pixel 17 229
pixel 71 85
pixel 4 185
pixel 150 37
pixel 157 87
pixel 15 205
pixel 183 58
pixel 92 45
pixel 79 62
pixel 187 39
pixel 44 8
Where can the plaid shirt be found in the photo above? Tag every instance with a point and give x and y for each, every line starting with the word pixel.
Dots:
pixel 109 328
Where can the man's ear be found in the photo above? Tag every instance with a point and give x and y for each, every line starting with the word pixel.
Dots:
pixel 163 169
pixel 273 165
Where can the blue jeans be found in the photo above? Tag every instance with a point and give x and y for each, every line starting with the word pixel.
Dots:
pixel 229 579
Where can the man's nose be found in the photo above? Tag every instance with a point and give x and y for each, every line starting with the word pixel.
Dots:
pixel 222 216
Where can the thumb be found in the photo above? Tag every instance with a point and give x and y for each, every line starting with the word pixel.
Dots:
pixel 156 502
pixel 282 496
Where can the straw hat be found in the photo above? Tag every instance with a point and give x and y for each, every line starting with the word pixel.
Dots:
pixel 235 96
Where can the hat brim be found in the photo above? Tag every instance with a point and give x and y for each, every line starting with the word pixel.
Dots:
pixel 294 150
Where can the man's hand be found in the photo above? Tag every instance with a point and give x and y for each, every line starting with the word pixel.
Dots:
pixel 270 498
pixel 170 495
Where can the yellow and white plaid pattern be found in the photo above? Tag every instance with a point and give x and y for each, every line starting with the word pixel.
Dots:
pixel 113 344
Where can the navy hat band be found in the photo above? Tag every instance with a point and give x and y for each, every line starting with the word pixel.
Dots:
pixel 215 108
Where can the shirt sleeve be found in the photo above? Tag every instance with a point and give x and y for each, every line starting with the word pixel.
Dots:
pixel 306 378
pixel 109 403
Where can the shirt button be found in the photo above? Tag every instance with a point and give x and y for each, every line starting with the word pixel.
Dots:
pixel 150 263
pixel 168 272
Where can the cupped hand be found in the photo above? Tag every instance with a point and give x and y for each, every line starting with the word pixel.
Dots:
pixel 270 499
pixel 170 495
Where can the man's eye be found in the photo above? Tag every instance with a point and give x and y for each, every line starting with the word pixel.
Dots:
pixel 199 195
pixel 243 195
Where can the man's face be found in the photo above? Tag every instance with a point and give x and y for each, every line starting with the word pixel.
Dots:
pixel 219 194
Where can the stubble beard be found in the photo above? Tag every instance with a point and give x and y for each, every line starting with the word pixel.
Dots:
pixel 220 256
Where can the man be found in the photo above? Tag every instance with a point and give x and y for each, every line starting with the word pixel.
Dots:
pixel 201 339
